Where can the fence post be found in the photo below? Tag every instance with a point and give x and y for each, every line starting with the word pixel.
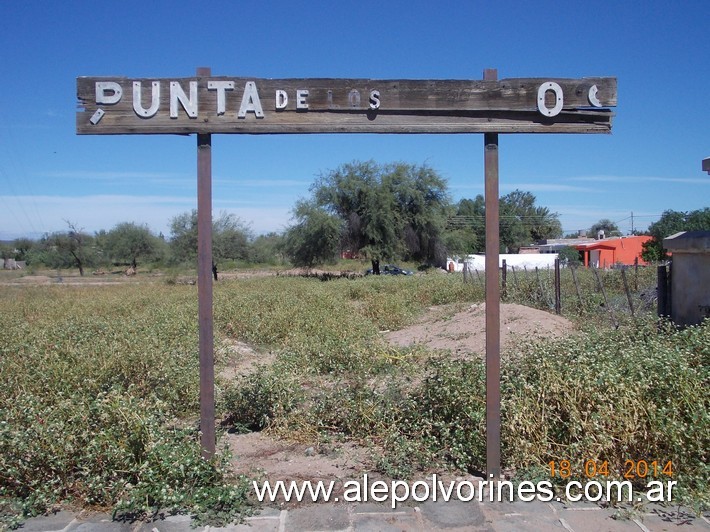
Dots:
pixel 558 288
pixel 663 292
pixel 504 283
pixel 628 292
pixel 636 274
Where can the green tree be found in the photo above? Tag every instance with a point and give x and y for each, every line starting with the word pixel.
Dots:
pixel 230 237
pixel 466 228
pixel 6 251
pixel 69 249
pixel 460 241
pixel 672 222
pixel 606 225
pixel 386 211
pixel 22 248
pixel 127 242
pixel 570 256
pixel 267 249
pixel 183 237
pixel 315 237
pixel 523 223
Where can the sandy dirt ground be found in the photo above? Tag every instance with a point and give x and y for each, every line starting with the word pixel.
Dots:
pixel 462 332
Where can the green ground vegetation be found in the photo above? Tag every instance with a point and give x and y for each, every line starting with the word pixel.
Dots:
pixel 100 387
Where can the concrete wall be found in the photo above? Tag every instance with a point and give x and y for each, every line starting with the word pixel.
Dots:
pixel 690 281
pixel 12 264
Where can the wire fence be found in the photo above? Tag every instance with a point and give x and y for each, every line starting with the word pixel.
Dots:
pixel 616 294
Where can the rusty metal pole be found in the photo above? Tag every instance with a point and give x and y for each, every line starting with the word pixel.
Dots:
pixel 490 142
pixel 204 287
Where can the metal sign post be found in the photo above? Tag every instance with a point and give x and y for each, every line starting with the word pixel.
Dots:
pixel 490 150
pixel 204 287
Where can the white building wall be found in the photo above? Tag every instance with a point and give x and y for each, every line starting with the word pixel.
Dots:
pixel 519 262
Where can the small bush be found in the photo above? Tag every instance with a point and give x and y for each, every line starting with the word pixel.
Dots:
pixel 260 398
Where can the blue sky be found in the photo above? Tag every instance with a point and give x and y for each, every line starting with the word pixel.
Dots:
pixel 658 50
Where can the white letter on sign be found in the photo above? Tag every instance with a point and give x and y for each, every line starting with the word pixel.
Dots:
pixel 554 87
pixel 302 99
pixel 281 99
pixel 114 89
pixel 154 100
pixel 178 95
pixel 354 98
pixel 220 87
pixel 374 99
pixel 250 101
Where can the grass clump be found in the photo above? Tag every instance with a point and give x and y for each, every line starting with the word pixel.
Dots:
pixel 260 398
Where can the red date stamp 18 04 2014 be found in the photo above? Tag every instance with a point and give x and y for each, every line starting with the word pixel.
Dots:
pixel 631 469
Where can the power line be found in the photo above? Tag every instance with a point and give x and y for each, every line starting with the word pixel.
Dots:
pixel 19 176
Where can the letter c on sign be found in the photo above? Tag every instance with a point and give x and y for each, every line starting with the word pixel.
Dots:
pixel 559 99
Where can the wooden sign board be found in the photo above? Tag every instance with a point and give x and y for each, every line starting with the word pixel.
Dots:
pixel 208 104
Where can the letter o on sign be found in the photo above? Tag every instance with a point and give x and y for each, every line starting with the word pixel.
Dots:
pixel 559 99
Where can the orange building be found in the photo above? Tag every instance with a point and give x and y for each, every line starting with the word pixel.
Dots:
pixel 607 252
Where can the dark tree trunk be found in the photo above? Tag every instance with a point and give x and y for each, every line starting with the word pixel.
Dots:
pixel 78 263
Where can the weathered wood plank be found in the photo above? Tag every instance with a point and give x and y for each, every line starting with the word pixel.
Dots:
pixel 350 123
pixel 347 106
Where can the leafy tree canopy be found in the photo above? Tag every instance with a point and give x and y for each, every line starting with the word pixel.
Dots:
pixel 22 247
pixel 570 256
pixel 230 237
pixel 65 249
pixel 386 212
pixel 466 230
pixel 127 242
pixel 268 249
pixel 606 225
pixel 670 223
pixel 315 237
pixel 521 221
pixel 6 251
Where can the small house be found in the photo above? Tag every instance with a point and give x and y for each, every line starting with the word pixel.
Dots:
pixel 608 252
